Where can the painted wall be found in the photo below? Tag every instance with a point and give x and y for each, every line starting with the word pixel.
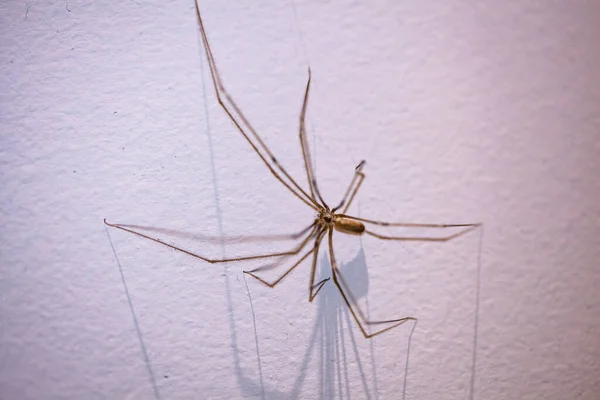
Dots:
pixel 465 113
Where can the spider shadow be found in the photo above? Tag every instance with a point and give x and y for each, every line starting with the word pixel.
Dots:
pixel 328 331
pixel 336 345
pixel 328 335
pixel 143 347
pixel 333 340
pixel 332 330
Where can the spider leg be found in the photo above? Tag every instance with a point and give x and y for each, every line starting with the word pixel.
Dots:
pixel 311 284
pixel 220 260
pixel 310 175
pixel 272 284
pixel 240 121
pixel 218 239
pixel 355 183
pixel 355 310
pixel 464 229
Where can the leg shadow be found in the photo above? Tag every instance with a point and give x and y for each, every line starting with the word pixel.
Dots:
pixel 136 324
pixel 335 344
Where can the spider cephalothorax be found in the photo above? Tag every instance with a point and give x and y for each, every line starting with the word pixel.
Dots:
pixel 326 218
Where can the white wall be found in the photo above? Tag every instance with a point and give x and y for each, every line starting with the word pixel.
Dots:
pixel 464 114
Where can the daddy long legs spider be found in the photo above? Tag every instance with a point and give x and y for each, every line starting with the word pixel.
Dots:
pixel 328 219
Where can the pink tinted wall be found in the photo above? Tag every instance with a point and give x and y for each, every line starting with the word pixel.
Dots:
pixel 465 112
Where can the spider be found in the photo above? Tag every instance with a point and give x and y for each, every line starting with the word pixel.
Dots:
pixel 328 219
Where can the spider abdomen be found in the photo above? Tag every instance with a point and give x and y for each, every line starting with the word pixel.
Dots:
pixel 350 226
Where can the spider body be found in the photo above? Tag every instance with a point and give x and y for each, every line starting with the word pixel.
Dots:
pixel 327 221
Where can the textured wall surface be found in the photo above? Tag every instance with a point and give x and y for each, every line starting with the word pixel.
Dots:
pixel 465 113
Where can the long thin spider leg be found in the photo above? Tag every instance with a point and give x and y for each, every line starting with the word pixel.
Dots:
pixel 410 224
pixel 311 284
pixel 213 261
pixel 222 93
pixel 303 144
pixel 312 179
pixel 349 300
pixel 308 166
pixel 318 286
pixel 314 182
pixel 286 273
pixel 468 229
pixel 220 239
pixel 358 176
pixel 359 312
